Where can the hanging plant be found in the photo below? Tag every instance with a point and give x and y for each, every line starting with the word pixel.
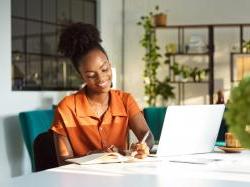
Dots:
pixel 152 86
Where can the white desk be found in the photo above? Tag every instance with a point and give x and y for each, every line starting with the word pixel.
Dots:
pixel 233 170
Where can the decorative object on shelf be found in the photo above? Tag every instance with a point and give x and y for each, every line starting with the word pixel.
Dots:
pixel 198 75
pixel 193 74
pixel 185 72
pixel 176 71
pixel 220 97
pixel 196 44
pixel 160 18
pixel 171 48
pixel 152 85
pixel 202 74
pixel 237 114
pixel 246 46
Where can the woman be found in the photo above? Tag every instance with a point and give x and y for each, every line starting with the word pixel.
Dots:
pixel 96 118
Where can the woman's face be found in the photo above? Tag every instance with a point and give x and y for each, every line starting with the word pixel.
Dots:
pixel 95 70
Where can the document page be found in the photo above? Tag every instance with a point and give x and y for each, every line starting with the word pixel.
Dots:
pixel 99 158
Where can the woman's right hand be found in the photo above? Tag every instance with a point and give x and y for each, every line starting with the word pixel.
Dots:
pixel 139 150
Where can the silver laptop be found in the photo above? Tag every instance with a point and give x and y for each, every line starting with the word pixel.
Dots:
pixel 190 129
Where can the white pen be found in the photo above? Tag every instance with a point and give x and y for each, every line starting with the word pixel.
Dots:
pixel 145 137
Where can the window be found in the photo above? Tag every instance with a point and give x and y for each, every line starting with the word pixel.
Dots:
pixel 36 26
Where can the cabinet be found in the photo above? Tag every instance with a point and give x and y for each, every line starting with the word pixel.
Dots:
pixel 207 55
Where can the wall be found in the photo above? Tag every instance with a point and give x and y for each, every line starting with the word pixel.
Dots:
pixel 14 160
pixel 183 12
pixel 111 33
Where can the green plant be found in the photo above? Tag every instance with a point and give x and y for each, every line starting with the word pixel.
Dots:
pixel 176 68
pixel 202 73
pixel 246 46
pixel 237 114
pixel 185 71
pixel 193 73
pixel 165 89
pixel 152 86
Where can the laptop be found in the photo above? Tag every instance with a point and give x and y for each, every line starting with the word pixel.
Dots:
pixel 190 129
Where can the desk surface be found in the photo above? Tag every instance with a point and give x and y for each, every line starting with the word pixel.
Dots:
pixel 214 169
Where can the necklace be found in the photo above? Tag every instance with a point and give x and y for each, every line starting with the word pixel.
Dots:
pixel 99 108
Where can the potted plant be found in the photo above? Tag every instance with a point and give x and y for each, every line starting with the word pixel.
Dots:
pixel 246 46
pixel 160 18
pixel 237 115
pixel 153 87
pixel 176 71
pixel 185 72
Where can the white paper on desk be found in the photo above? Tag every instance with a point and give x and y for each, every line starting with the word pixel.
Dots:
pixel 99 158
pixel 104 158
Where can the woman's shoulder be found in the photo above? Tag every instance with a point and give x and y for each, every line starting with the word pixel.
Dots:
pixel 120 93
pixel 124 96
pixel 69 100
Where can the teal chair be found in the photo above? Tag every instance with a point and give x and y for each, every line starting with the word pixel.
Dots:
pixel 34 123
pixel 155 118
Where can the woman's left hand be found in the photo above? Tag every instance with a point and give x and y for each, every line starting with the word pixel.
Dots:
pixel 139 150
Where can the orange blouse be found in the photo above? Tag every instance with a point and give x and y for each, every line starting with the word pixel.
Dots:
pixel 75 119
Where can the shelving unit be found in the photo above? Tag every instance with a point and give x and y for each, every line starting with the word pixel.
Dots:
pixel 182 52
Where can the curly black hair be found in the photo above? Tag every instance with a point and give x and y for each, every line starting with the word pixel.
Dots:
pixel 77 39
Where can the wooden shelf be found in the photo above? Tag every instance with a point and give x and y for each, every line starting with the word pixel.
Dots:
pixel 239 53
pixel 188 54
pixel 203 26
pixel 189 82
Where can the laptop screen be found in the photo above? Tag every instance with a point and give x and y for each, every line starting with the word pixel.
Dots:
pixel 190 129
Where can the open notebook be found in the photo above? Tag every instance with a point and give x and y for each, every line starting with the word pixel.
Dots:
pixel 105 158
pixel 99 158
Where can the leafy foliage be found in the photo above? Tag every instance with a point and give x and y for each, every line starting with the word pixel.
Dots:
pixel 153 87
pixel 246 46
pixel 238 112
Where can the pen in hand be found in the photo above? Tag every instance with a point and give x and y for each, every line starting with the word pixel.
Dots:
pixel 145 137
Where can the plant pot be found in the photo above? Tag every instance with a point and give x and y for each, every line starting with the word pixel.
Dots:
pixel 160 20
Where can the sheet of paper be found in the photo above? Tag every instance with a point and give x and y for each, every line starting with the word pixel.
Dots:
pixel 99 158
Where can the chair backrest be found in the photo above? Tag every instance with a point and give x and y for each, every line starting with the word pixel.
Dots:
pixel 155 118
pixel 45 151
pixel 34 123
pixel 222 131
